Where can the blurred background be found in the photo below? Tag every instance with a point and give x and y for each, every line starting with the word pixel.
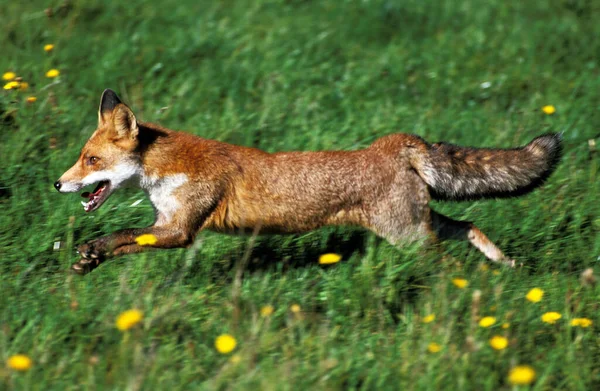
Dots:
pixel 299 75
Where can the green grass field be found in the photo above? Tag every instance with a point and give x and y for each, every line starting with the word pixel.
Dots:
pixel 306 75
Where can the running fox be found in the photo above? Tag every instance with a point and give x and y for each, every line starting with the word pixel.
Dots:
pixel 195 184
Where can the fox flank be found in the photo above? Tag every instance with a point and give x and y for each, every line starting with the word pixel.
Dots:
pixel 196 183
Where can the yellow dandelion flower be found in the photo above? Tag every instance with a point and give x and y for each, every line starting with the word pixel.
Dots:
pixel 535 295
pixel 551 317
pixel 328 259
pixel 48 47
pixel 487 321
pixel 146 240
pixel 498 342
pixel 496 272
pixel 429 318
pixel 549 109
pixel 52 73
pixel 23 86
pixel 295 308
pixel 31 99
pixel 12 85
pixel 433 347
pixel 225 343
pixel 505 325
pixel 266 310
pixel 460 283
pixel 581 322
pixel 234 359
pixel 521 375
pixel 9 76
pixel 329 363
pixel 19 362
pixel 128 319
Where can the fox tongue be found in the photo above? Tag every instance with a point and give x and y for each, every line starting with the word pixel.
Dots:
pixel 97 191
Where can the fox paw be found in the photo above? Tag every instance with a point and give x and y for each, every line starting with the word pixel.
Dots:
pixel 85 265
pixel 511 263
pixel 91 250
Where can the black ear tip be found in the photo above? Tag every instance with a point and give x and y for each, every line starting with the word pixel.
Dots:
pixel 109 100
pixel 109 94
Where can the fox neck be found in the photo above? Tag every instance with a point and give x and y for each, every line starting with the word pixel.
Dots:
pixel 162 193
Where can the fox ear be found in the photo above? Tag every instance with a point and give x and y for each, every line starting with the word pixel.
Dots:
pixel 108 102
pixel 125 124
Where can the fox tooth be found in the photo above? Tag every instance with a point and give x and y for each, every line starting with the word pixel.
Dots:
pixel 84 203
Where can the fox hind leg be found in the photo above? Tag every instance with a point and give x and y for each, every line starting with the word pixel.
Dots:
pixel 447 228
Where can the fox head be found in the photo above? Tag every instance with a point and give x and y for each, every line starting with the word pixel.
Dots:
pixel 109 158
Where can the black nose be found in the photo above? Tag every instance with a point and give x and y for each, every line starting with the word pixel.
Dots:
pixel 57 185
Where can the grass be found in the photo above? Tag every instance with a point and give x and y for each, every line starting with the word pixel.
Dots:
pixel 287 75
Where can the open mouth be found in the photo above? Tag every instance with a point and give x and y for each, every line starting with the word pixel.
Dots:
pixel 97 197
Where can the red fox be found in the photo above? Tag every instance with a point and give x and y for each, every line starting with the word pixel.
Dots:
pixel 195 184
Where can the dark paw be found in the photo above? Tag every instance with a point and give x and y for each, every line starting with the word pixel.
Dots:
pixel 91 250
pixel 85 265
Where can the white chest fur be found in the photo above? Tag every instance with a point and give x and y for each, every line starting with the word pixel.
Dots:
pixel 161 192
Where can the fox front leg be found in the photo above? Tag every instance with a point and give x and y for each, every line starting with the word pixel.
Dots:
pixel 128 241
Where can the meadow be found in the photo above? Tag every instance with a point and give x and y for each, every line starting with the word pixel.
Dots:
pixel 301 75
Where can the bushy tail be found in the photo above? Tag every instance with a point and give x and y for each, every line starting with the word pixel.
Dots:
pixel 459 173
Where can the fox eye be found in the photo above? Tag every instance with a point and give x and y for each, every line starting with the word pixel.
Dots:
pixel 93 160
